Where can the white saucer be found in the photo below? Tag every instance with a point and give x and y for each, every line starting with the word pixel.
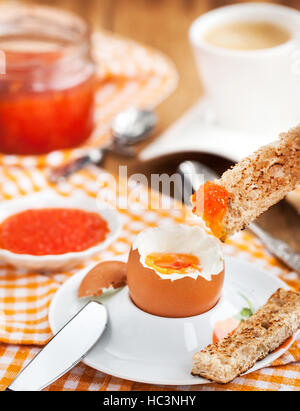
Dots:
pixel 141 347
pixel 202 134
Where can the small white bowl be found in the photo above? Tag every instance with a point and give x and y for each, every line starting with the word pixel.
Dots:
pixel 50 199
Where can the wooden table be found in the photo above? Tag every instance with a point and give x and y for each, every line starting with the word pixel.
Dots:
pixel 164 24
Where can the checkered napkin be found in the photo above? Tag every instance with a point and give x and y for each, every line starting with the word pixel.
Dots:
pixel 25 297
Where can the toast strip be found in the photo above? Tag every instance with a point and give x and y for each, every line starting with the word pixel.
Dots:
pixel 294 198
pixel 253 340
pixel 258 182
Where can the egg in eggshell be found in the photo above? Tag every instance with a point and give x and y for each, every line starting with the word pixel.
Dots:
pixel 174 291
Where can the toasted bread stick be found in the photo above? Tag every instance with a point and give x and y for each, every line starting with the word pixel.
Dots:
pixel 294 198
pixel 258 182
pixel 253 340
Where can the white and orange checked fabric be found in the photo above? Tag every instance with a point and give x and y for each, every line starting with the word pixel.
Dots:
pixel 128 75
pixel 25 297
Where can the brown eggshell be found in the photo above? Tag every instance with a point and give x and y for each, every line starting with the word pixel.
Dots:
pixel 103 275
pixel 184 297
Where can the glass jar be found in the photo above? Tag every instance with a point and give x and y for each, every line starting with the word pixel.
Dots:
pixel 47 91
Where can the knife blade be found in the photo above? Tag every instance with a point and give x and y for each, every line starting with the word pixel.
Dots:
pixel 66 349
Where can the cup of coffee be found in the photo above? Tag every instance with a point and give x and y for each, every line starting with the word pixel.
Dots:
pixel 248 57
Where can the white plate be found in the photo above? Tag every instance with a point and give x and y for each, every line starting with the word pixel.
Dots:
pixel 51 199
pixel 141 347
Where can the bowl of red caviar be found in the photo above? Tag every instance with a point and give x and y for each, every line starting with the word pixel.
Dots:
pixel 46 231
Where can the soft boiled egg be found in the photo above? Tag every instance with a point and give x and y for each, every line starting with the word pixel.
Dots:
pixel 175 271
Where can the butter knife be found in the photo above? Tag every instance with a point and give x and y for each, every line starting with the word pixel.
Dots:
pixel 66 349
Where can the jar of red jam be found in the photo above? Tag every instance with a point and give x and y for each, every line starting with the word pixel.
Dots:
pixel 47 90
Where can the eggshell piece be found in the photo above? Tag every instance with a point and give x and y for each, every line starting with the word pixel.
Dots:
pixel 184 297
pixel 104 275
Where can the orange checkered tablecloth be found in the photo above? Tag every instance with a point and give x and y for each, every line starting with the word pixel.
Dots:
pixel 25 297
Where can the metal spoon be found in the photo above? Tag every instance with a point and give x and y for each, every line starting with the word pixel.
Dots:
pixel 193 173
pixel 129 127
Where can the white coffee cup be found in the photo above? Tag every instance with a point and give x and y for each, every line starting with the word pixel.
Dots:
pixel 251 90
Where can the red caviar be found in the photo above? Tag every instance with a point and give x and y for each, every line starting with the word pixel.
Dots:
pixel 211 202
pixel 168 263
pixel 52 231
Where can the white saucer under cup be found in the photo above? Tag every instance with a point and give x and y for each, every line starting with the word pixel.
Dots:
pixel 145 348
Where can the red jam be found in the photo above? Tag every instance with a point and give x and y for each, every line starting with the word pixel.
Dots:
pixel 211 202
pixel 47 88
pixel 168 263
pixel 41 122
pixel 52 231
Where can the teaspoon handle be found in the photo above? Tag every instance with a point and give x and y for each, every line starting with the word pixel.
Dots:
pixel 93 157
